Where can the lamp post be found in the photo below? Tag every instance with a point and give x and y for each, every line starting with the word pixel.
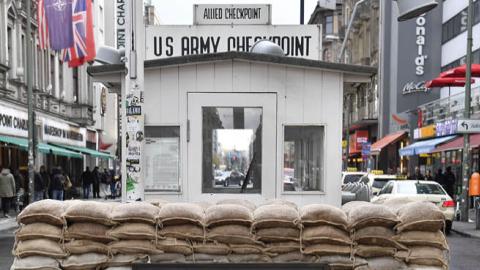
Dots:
pixel 466 139
pixel 31 120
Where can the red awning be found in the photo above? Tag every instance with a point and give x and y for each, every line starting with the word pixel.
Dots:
pixel 460 71
pixel 444 82
pixel 389 139
pixel 458 144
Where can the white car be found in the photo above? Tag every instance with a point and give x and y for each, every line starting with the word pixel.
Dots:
pixel 352 177
pixel 420 191
pixel 377 181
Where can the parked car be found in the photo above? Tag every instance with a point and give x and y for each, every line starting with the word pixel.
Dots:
pixel 235 178
pixel 420 191
pixel 221 177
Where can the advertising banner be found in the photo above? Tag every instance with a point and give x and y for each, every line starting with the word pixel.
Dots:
pixel 63 133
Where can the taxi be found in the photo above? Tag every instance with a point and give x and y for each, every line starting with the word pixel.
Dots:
pixel 376 180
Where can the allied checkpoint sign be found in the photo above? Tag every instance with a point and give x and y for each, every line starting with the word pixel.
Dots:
pixel 180 40
pixel 232 14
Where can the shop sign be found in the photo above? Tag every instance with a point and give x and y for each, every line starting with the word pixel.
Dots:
pixel 468 126
pixel 13 122
pixel 166 41
pixel 446 128
pixel 231 14
pixel 121 23
pixel 366 149
pixel 357 140
pixel 63 133
pixel 425 132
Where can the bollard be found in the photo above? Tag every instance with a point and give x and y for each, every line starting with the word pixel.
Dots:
pixel 474 191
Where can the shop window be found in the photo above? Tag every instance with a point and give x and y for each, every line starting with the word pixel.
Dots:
pixel 232 150
pixel 303 158
pixel 162 158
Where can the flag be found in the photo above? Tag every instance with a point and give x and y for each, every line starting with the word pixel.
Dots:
pixel 42 26
pixel 83 49
pixel 59 18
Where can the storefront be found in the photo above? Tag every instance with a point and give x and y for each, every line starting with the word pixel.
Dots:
pixel 385 153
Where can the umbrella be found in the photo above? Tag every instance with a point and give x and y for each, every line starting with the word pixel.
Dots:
pixel 444 82
pixel 460 72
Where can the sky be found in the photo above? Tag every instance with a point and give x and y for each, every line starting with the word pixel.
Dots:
pixel 181 11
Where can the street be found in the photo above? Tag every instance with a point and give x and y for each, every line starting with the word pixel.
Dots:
pixel 464 251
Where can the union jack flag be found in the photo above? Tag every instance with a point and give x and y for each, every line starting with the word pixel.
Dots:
pixel 42 26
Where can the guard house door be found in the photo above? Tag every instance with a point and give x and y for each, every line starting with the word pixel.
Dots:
pixel 231 136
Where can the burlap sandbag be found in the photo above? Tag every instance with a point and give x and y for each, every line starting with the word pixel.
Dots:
pixel 167 258
pixel 126 259
pixel 425 267
pixel 421 238
pixel 281 202
pixel 383 263
pixel 354 204
pixel 376 236
pixel 181 213
pixel 341 261
pixel 88 231
pixel 173 245
pixel 211 248
pixel 269 235
pixel 366 215
pixel 231 234
pixel 85 246
pixel 206 258
pixel 325 234
pixel 367 251
pixel 394 204
pixel 119 268
pixel 44 211
pixel 246 249
pixel 228 214
pixel 424 255
pixel 35 263
pixel 39 247
pixel 133 247
pixel 39 230
pixel 87 261
pixel 185 232
pixel 89 211
pixel 295 256
pixel 327 249
pixel 323 214
pixel 133 231
pixel 275 216
pixel 247 204
pixel 248 258
pixel 135 212
pixel 420 216
pixel 282 247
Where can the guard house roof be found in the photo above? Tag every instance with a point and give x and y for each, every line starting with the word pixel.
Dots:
pixel 254 57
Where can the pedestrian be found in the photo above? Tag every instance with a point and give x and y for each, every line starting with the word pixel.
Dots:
pixel 86 179
pixel 57 184
pixel 417 175
pixel 440 178
pixel 96 183
pixel 449 181
pixel 7 190
pixel 428 175
pixel 46 180
pixel 113 190
pixel 67 186
pixel 38 187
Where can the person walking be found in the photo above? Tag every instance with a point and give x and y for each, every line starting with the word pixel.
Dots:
pixel 46 180
pixel 7 190
pixel 417 175
pixel 86 179
pixel 440 178
pixel 429 176
pixel 96 183
pixel 449 181
pixel 67 187
pixel 113 190
pixel 57 184
pixel 39 188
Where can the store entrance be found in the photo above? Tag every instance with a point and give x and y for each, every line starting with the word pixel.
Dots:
pixel 231 146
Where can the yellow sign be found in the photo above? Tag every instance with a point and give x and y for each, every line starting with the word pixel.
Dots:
pixel 376 172
pixel 352 169
pixel 425 132
pixel 344 144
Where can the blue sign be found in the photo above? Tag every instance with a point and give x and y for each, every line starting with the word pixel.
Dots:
pixel 445 128
pixel 366 149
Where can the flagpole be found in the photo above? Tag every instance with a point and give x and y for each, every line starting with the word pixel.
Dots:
pixel 31 121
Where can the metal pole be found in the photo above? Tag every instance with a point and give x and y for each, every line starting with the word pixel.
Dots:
pixel 302 11
pixel 347 133
pixel 466 143
pixel 31 120
pixel 354 13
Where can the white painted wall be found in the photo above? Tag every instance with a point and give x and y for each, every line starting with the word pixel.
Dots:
pixel 305 96
pixel 452 8
pixel 457 47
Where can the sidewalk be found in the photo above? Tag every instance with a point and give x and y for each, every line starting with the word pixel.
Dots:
pixel 467 228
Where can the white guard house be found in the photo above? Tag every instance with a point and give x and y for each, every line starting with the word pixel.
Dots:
pixel 242 125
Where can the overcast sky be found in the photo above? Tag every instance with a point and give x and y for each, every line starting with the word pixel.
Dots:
pixel 181 11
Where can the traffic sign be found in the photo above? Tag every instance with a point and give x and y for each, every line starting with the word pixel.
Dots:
pixel 468 126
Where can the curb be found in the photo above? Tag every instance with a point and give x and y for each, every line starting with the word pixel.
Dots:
pixel 8 225
pixel 464 234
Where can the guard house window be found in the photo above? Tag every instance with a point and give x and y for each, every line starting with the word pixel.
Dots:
pixel 162 158
pixel 329 25
pixel 303 158
pixel 232 150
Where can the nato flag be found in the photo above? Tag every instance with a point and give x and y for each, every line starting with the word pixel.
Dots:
pixel 59 21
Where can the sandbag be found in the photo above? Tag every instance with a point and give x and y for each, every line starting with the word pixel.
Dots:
pixel 351 205
pixel 132 247
pixel 167 258
pixel 135 212
pixel 211 248
pixel 44 211
pixel 89 211
pixel 325 234
pixel 394 204
pixel 341 261
pixel 35 263
pixel 119 268
pixel 246 249
pixel 228 214
pixel 384 263
pixel 281 202
pixel 327 249
pixel 126 259
pixel 365 215
pixel 420 216
pixel 425 267
pixel 231 234
pixel 323 214
pixel 275 216
pixel 181 213
pixel 241 202
pixel 376 236
pixel 185 232
pixel 250 258
pixel 39 247
pixel 269 235
pixel 295 256
pixel 206 258
pixel 367 251
pixel 88 231
pixel 173 245
pixel 282 247
pixel 84 261
pixel 39 230
pixel 133 231
pixel 421 238
pixel 424 255
pixel 85 246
